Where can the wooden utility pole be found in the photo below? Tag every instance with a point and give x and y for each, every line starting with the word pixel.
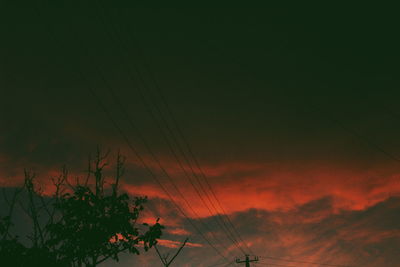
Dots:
pixel 247 260
pixel 164 258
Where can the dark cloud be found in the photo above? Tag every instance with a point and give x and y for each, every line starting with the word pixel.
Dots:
pixel 240 88
pixel 354 238
pixel 311 232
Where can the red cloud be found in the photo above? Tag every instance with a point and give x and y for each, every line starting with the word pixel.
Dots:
pixel 269 186
pixel 241 186
pixel 178 231
pixel 176 244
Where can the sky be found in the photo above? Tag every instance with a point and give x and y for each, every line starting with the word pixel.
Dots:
pixel 291 112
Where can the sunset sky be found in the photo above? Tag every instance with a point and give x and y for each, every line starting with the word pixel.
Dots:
pixel 291 112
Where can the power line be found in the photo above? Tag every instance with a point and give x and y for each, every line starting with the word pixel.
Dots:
pixel 180 133
pixel 229 233
pixel 350 130
pixel 127 140
pixel 198 166
pixel 130 121
pixel 155 177
pixel 355 133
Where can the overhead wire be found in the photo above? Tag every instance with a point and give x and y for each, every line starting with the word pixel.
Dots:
pixel 353 132
pixel 344 127
pixel 130 121
pixel 130 145
pixel 203 176
pixel 357 135
pixel 174 139
pixel 350 130
pixel 333 119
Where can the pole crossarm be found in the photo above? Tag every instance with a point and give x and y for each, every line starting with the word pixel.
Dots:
pixel 247 260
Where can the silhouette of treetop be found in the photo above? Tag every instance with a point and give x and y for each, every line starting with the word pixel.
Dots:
pixel 87 223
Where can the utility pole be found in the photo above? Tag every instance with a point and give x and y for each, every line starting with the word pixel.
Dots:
pixel 247 260
pixel 164 258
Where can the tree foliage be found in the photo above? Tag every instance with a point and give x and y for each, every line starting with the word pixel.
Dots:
pixel 87 223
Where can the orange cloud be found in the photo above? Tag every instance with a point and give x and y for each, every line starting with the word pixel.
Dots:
pixel 175 244
pixel 267 186
pixel 178 231
pixel 282 187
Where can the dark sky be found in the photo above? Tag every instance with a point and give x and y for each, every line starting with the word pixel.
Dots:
pixel 292 105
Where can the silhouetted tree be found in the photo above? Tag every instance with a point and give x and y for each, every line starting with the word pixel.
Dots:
pixel 87 223
pixel 12 251
pixel 10 248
